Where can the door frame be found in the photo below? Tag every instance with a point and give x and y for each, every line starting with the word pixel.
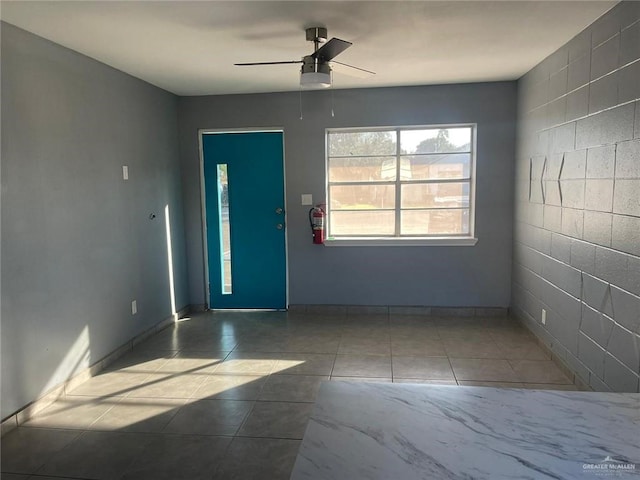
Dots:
pixel 203 204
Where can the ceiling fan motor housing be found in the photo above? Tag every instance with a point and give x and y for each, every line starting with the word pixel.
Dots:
pixel 316 34
pixel 314 73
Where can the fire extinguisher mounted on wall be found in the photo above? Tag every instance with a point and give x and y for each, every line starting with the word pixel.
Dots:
pixel 317 217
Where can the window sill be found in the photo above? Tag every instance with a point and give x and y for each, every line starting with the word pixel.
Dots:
pixel 401 242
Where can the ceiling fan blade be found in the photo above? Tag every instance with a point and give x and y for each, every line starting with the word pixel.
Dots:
pixel 266 63
pixel 331 49
pixel 350 70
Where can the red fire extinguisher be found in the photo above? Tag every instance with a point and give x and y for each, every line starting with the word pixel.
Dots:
pixel 316 219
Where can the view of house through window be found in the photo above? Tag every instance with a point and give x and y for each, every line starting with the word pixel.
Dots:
pixel 400 182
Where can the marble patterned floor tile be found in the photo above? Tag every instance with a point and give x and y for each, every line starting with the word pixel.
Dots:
pixel 25 450
pixel 232 387
pixel 304 364
pixel 362 366
pixel 432 368
pixel 291 388
pixel 178 457
pixel 143 415
pixel 73 412
pixel 210 417
pixel 498 433
pixel 258 459
pixel 97 455
pixel 277 420
pixel 483 369
pixel 538 371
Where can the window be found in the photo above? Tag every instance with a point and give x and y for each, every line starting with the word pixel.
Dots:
pixel 401 183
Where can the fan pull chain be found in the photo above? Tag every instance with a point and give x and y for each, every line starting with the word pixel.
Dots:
pixel 300 102
pixel 332 114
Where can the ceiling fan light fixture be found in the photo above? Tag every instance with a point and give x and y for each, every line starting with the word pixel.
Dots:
pixel 315 80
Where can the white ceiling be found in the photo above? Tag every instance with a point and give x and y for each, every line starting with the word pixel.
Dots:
pixel 189 48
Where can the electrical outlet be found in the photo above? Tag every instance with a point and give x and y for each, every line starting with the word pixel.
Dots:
pixel 134 307
pixel 544 317
pixel 125 172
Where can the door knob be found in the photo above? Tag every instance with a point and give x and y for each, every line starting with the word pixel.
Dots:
pixel 279 210
pixel 279 226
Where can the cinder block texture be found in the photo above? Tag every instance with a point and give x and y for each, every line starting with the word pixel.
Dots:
pixel 579 258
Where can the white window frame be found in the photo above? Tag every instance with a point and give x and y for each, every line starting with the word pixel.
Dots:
pixel 468 239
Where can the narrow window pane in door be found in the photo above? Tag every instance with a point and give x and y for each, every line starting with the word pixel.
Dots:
pixel 224 228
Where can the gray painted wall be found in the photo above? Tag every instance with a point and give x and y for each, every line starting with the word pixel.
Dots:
pixel 434 276
pixel 77 244
pixel 577 218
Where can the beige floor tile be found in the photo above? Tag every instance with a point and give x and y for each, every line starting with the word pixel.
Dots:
pixel 411 346
pixel 362 366
pixel 97 455
pixel 361 379
pixel 549 386
pixel 472 348
pixel 232 387
pixel 144 415
pixel 538 371
pixel 168 385
pixel 179 457
pixel 291 388
pixel 277 420
pixel 118 383
pixel 210 417
pixel 431 368
pixel 471 383
pixel 424 381
pixel 25 450
pixel 365 346
pixel 141 361
pixel 258 459
pixel 304 364
pixel 213 344
pixel 73 412
pixel 522 350
pixel 249 363
pixel 190 363
pixel 483 369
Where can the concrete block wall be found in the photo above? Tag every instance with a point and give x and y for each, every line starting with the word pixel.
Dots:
pixel 577 216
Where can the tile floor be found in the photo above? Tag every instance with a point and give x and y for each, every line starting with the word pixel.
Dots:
pixel 228 395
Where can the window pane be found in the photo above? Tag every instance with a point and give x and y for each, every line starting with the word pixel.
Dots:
pixel 353 144
pixel 380 222
pixel 362 169
pixel 434 222
pixel 435 195
pixel 434 166
pixel 436 140
pixel 224 228
pixel 362 197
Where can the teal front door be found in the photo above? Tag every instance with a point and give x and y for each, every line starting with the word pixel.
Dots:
pixel 244 201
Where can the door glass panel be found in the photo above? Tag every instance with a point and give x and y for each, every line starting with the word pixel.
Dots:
pixel 224 228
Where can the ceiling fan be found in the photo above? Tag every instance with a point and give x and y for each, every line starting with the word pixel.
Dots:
pixel 316 68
